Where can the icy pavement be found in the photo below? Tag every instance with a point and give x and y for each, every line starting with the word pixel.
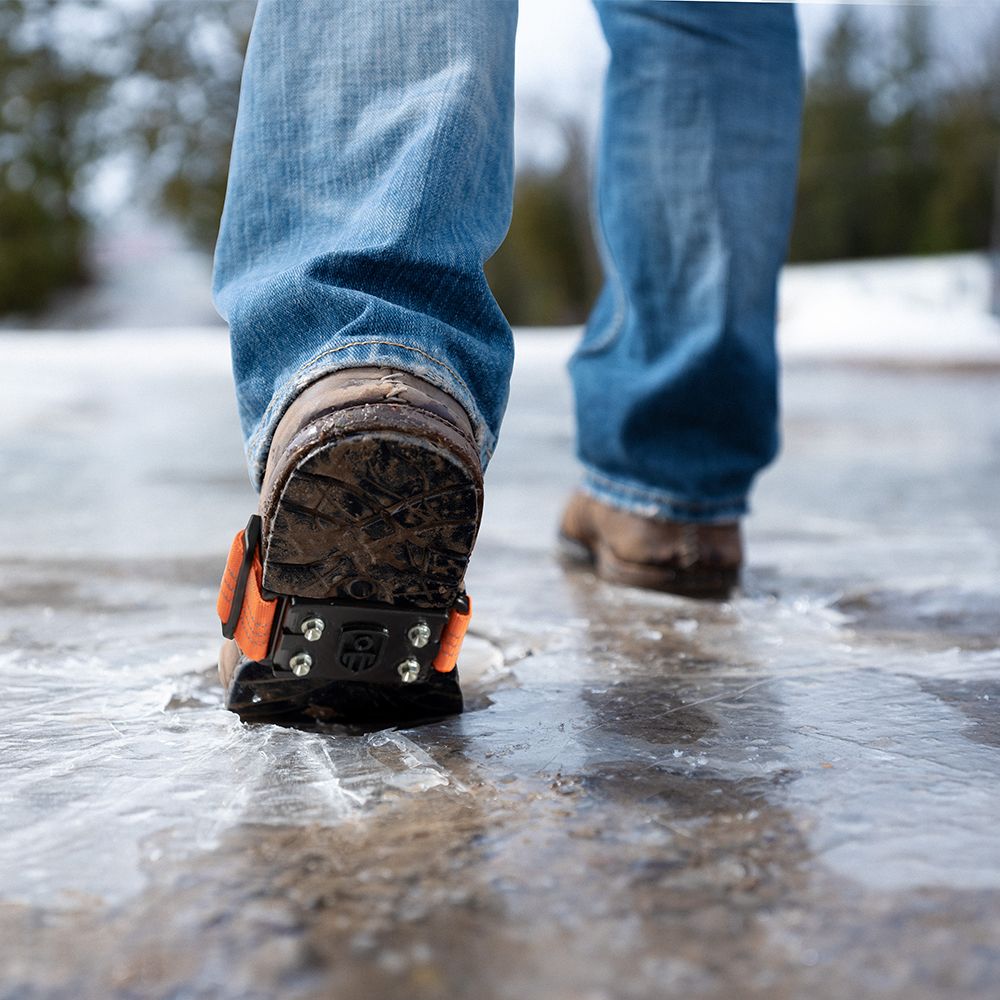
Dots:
pixel 791 793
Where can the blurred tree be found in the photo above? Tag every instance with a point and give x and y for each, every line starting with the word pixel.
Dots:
pixel 995 244
pixel 547 272
pixel 956 204
pixel 966 138
pixel 836 202
pixel 180 99
pixel 48 138
pixel 905 133
pixel 85 81
pixel 899 146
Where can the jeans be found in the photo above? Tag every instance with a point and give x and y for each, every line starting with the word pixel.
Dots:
pixel 372 177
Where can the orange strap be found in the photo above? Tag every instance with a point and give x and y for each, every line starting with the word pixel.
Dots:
pixel 451 638
pixel 256 617
pixel 253 630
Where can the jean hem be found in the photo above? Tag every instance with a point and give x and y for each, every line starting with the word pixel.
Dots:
pixel 649 502
pixel 365 354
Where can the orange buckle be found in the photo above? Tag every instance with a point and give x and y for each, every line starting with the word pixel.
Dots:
pixel 452 635
pixel 245 614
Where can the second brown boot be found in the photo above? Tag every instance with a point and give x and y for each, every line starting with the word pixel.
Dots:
pixel 690 559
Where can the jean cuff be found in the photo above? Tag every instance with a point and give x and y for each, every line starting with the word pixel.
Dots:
pixel 365 354
pixel 649 502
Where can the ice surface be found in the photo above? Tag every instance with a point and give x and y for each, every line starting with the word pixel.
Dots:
pixel 793 792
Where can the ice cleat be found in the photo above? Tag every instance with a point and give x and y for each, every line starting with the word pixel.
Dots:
pixel 343 598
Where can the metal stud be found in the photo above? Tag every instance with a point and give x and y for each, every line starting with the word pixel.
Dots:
pixel 312 628
pixel 408 670
pixel 300 664
pixel 419 635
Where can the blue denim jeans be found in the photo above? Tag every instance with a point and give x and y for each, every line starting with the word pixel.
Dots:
pixel 372 176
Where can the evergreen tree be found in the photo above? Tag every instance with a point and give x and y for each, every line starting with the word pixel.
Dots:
pixel 188 64
pixel 898 155
pixel 910 166
pixel 48 138
pixel 547 272
pixel 836 202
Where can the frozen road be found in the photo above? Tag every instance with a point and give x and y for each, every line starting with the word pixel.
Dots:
pixel 794 793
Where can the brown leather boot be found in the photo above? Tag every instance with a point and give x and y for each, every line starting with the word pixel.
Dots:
pixel 371 502
pixel 693 560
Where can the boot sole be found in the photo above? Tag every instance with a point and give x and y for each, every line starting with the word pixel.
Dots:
pixel 385 508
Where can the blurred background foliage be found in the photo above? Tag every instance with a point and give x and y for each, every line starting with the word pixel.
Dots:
pixel 142 93
pixel 900 146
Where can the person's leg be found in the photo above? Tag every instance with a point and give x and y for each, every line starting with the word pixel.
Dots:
pixel 371 177
pixel 676 376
